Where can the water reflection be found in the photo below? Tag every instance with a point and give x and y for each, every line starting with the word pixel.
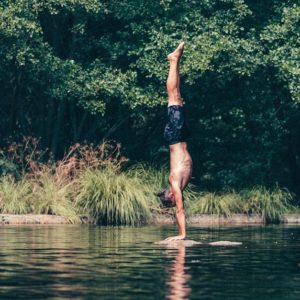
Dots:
pixel 178 281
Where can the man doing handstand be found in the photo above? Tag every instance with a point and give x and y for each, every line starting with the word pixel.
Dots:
pixel 175 134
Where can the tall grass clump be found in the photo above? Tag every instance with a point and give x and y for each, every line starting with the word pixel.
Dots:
pixel 113 198
pixel 270 204
pixel 14 196
pixel 52 197
pixel 211 203
pixel 152 180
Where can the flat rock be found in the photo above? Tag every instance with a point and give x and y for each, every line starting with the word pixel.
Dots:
pixel 225 243
pixel 186 243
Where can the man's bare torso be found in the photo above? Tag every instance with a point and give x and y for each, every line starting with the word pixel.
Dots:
pixel 180 164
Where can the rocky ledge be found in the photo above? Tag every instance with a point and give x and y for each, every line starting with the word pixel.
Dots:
pixel 216 220
pixel 163 219
pixel 32 219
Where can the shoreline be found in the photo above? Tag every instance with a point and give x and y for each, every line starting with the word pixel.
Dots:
pixel 159 219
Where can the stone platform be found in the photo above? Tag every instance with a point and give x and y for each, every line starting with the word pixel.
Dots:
pixel 185 243
pixel 191 243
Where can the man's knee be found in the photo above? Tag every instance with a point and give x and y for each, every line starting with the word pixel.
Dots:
pixel 172 88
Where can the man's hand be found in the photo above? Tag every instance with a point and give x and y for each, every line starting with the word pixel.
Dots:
pixel 175 238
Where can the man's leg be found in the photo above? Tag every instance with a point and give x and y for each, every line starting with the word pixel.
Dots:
pixel 173 81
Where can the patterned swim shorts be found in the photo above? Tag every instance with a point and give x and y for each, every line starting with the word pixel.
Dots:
pixel 175 130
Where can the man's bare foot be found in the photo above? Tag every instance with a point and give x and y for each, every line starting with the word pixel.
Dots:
pixel 175 56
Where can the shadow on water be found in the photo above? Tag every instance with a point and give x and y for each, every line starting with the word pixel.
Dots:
pixel 90 262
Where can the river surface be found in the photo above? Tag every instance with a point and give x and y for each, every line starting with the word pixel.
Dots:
pixel 90 262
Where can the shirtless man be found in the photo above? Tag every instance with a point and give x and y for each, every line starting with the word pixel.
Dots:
pixel 175 135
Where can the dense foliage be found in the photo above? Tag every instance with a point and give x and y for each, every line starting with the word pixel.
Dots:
pixel 74 70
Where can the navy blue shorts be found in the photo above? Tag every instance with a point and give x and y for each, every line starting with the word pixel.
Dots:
pixel 175 130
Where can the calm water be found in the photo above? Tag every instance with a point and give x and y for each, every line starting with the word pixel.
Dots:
pixel 89 262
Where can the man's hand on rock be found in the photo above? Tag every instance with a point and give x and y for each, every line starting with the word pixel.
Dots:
pixel 175 238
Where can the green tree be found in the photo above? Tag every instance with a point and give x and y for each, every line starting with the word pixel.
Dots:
pixel 74 70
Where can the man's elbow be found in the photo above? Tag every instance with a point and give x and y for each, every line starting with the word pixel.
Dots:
pixel 179 211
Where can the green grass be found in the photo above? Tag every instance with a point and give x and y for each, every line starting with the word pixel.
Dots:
pixel 141 181
pixel 14 196
pixel 53 197
pixel 271 204
pixel 152 181
pixel 211 203
pixel 113 198
pixel 294 209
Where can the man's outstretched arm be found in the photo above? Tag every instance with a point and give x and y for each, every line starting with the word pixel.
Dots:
pixel 180 215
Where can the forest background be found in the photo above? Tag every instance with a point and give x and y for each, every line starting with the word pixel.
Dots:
pixel 87 71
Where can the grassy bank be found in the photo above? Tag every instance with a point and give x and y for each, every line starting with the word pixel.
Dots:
pixel 93 181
